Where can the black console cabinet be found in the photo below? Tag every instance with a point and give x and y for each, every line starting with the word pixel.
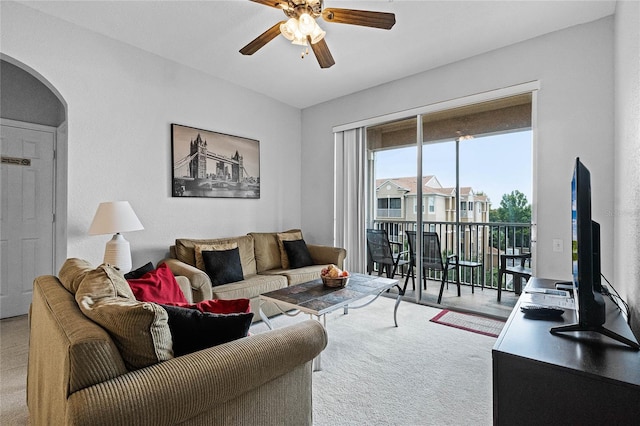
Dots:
pixel 574 379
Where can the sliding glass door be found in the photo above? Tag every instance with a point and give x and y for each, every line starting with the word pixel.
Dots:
pixel 459 173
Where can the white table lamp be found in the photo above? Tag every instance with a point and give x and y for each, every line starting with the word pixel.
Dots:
pixel 115 217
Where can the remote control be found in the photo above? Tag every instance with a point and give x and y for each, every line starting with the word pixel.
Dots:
pixel 541 312
pixel 564 285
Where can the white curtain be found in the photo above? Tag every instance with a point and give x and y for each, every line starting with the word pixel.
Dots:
pixel 351 197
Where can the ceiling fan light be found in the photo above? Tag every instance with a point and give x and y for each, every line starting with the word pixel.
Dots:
pixel 285 33
pixel 300 40
pixel 306 23
pixel 289 28
pixel 317 34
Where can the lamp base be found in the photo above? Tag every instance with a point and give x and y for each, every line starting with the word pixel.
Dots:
pixel 118 253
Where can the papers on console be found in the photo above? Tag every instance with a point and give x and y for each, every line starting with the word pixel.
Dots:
pixel 548 297
pixel 549 300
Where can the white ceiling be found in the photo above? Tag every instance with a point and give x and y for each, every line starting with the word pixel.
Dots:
pixel 207 35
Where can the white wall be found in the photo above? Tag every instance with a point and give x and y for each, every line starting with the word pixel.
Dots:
pixel 121 102
pixel 575 118
pixel 627 156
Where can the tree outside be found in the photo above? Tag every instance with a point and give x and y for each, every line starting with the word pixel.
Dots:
pixel 514 208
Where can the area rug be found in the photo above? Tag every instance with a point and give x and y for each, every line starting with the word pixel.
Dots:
pixel 474 323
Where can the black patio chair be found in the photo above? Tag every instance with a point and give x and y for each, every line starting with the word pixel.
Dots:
pixel 380 252
pixel 519 266
pixel 431 260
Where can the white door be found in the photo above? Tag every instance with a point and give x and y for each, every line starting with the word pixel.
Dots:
pixel 26 213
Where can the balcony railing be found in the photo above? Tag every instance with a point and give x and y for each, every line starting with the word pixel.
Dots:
pixel 393 213
pixel 473 241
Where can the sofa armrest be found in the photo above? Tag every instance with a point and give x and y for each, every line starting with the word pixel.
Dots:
pixel 268 368
pixel 185 286
pixel 200 282
pixel 322 255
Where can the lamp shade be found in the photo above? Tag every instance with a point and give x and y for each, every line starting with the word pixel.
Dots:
pixel 114 217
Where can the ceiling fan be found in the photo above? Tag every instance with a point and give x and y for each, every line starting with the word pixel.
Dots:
pixel 302 29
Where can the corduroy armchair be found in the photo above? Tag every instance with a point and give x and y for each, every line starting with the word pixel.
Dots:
pixel 76 375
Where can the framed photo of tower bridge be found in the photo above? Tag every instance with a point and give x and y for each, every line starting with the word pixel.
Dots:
pixel 213 165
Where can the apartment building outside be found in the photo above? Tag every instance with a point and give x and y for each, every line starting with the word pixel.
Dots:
pixel 396 199
pixel 396 211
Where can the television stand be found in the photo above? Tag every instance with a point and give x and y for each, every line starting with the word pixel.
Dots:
pixel 596 329
pixel 541 378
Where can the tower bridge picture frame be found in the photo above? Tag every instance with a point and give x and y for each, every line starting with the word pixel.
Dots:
pixel 210 164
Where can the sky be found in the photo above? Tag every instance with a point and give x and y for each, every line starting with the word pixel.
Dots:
pixel 495 164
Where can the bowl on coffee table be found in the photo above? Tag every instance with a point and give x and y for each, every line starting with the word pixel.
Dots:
pixel 337 282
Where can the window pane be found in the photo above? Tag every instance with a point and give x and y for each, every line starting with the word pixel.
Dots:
pixel 508 157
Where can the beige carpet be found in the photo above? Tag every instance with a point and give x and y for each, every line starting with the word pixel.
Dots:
pixel 420 373
pixel 14 349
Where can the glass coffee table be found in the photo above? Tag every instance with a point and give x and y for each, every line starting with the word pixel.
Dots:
pixel 316 299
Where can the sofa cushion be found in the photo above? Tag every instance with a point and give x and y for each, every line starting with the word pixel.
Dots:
pixel 223 266
pixel 72 273
pixel 282 237
pixel 139 273
pixel 139 329
pixel 159 286
pixel 267 250
pixel 199 248
pixel 252 286
pixel 298 253
pixel 192 330
pixel 185 250
pixel 302 275
pixel 104 281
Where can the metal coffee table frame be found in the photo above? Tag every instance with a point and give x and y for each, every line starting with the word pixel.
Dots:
pixel 315 299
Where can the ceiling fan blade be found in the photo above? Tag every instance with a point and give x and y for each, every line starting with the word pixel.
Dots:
pixel 262 39
pixel 365 18
pixel 272 3
pixel 321 50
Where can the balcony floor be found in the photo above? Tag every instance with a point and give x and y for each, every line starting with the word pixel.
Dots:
pixel 482 301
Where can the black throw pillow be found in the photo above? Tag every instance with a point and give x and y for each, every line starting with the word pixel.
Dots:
pixel 223 266
pixel 192 330
pixel 298 253
pixel 138 273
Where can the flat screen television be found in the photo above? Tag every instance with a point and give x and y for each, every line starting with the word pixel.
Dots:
pixel 585 258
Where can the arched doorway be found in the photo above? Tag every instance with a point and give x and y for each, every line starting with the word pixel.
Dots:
pixel 33 119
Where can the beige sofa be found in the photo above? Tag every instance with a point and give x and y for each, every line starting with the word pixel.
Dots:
pixel 261 261
pixel 78 376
